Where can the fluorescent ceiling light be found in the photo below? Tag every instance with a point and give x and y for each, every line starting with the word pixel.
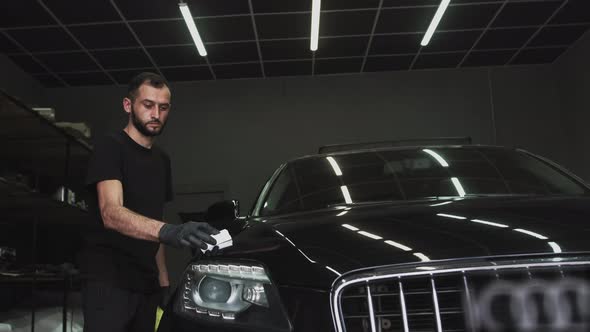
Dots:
pixel 422 257
pixel 346 194
pixel 352 228
pixel 426 268
pixel 315 24
pixel 489 223
pixel 458 187
pixel 537 235
pixel 192 28
pixel 556 248
pixel 398 245
pixel 451 216
pixel 335 166
pixel 370 235
pixel 438 158
pixel 341 213
pixel 435 21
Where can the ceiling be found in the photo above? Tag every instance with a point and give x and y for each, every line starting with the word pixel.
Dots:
pixel 72 43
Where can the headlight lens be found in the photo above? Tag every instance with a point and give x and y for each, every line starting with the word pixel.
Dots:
pixel 225 290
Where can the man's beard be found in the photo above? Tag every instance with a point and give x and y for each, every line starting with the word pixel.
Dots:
pixel 143 127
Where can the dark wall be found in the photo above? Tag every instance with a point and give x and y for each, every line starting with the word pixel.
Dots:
pixel 20 84
pixel 573 75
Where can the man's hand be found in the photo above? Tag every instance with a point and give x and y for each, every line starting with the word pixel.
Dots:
pixel 191 234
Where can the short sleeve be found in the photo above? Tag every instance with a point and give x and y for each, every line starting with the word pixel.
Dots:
pixel 105 162
pixel 169 190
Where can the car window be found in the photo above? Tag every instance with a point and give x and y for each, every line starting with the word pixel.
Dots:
pixel 393 175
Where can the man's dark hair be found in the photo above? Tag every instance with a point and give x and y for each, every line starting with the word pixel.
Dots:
pixel 152 79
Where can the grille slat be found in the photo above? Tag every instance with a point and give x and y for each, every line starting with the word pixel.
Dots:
pixel 447 300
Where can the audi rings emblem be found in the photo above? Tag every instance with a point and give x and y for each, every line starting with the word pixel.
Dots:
pixel 562 305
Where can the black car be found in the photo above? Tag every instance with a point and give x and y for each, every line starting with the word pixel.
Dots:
pixel 428 238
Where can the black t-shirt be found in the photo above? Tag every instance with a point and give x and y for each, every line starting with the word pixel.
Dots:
pixel 147 185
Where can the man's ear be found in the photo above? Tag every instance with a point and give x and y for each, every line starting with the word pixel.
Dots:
pixel 127 105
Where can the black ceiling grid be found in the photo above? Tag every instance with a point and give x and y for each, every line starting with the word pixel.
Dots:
pixel 102 42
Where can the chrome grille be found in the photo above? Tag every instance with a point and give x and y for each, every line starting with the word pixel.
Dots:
pixel 441 299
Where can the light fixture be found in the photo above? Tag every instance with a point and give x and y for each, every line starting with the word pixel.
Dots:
pixel 438 157
pixel 331 269
pixel 192 28
pixel 489 223
pixel 556 248
pixel 435 21
pixel 346 194
pixel 458 187
pixel 335 166
pixel 452 216
pixel 342 213
pixel 398 245
pixel 533 234
pixel 441 204
pixel 315 24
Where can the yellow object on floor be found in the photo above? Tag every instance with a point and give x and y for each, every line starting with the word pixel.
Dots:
pixel 159 313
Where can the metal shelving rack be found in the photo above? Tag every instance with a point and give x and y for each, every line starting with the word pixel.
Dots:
pixel 33 145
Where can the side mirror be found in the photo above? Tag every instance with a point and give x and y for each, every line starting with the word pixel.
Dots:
pixel 224 211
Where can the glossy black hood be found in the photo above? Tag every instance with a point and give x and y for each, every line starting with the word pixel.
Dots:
pixel 382 234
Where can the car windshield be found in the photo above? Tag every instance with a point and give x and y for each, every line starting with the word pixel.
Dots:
pixel 410 174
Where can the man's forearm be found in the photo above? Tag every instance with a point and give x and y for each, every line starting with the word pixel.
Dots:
pixel 129 223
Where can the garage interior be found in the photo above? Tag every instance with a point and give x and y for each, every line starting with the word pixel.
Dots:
pixel 513 73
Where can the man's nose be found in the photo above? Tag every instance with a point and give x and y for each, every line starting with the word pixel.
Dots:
pixel 155 113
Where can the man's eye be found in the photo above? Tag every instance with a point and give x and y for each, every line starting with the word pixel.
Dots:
pixel 147 105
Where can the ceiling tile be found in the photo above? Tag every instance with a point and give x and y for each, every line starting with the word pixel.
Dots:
pixel 27 63
pixel 401 3
pixel 225 28
pixel 285 49
pixel 347 23
pixel 90 11
pixel 290 68
pixel 562 35
pixel 48 81
pixel 343 46
pixel 23 13
pixel 274 6
pixel 45 39
pixel 396 44
pixel 538 56
pixel 488 58
pixel 213 8
pixel 232 52
pixel 139 10
pixel 337 66
pixel 505 38
pixel 237 71
pixel 448 60
pixel 199 73
pixel 452 41
pixel 176 55
pixel 388 63
pixel 467 17
pixel 163 33
pixel 348 4
pixel 525 13
pixel 68 62
pixel 80 79
pixel 283 26
pixel 575 11
pixel 120 59
pixel 405 20
pixel 124 76
pixel 104 36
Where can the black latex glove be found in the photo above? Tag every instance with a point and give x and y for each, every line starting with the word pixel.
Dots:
pixel 191 234
pixel 165 294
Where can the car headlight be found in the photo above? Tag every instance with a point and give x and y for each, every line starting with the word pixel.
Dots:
pixel 237 293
